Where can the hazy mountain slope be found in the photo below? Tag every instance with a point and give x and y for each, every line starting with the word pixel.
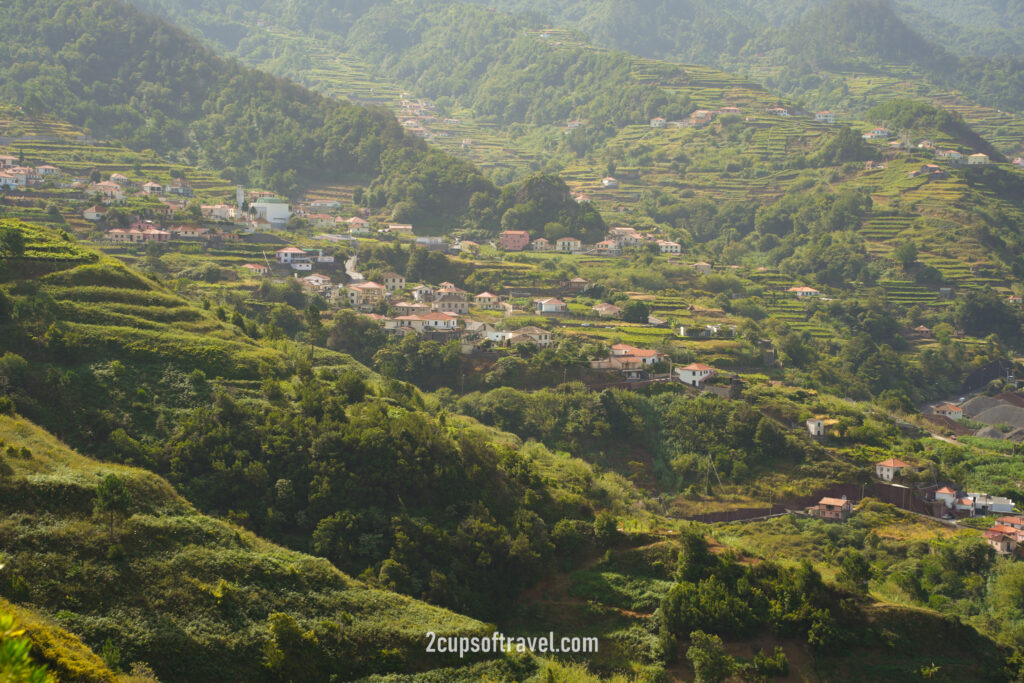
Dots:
pixel 124 74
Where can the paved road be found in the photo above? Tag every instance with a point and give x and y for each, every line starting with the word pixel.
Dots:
pixel 350 269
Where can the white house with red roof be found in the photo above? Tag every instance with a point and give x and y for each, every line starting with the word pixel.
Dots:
pixel 949 410
pixel 887 469
pixel 316 280
pixel 667 247
pixel 365 294
pixel 426 321
pixel 256 268
pixel 804 292
pixel 633 362
pixel 948 495
pixel 486 300
pixel 358 226
pixel 825 117
pixel 290 254
pixel 94 213
pixel 695 374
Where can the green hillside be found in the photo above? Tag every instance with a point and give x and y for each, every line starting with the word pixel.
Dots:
pixel 314 452
pixel 198 599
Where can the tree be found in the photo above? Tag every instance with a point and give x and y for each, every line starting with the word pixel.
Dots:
pixel 12 242
pixel 855 572
pixel 710 662
pixel 636 312
pixel 606 528
pixel 906 254
pixel 112 499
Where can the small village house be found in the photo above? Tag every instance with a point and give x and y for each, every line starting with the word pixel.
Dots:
pixel 316 280
pixel 551 306
pixel 94 213
pixel 606 310
pixel 486 300
pixel 423 293
pixel 888 469
pixel 695 374
pixel 568 245
pixel 702 267
pixel 949 410
pixel 256 268
pixel 836 509
pixel 393 281
pixel 450 302
pixel 513 240
pixel 804 292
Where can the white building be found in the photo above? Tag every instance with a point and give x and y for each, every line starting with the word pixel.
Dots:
pixel 887 469
pixel 272 209
pixel 695 374
pixel 568 245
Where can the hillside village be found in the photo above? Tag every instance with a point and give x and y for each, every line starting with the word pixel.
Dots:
pixel 583 342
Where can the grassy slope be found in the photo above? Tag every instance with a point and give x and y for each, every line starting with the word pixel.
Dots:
pixel 63 653
pixel 616 598
pixel 190 595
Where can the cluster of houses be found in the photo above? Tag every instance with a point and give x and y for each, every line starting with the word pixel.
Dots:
pixel 118 186
pixel 617 239
pixel 1006 534
pixel 14 175
pixel 703 117
pixel 632 362
pixel 140 230
pixel 940 500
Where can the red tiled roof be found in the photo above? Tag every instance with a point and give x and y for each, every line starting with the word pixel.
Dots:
pixel 697 366
pixel 893 462
pixel 833 501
